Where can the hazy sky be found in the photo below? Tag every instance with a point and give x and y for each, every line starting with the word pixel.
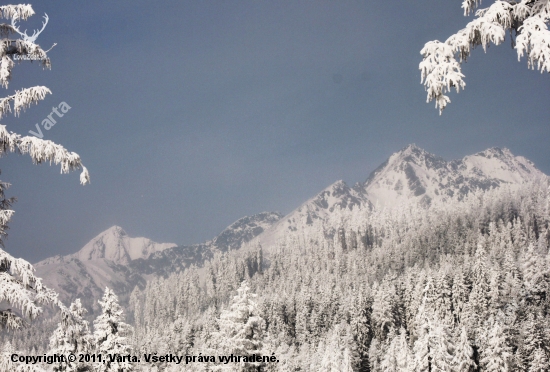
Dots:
pixel 192 114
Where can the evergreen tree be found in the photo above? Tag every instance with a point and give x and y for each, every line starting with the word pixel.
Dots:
pixel 384 308
pixel 72 338
pixel 340 352
pixel 19 287
pixel 463 358
pixel 361 328
pixel 397 357
pixel 241 330
pixel 495 355
pixel 7 365
pixel 540 361
pixel 443 349
pixel 375 355
pixel 110 333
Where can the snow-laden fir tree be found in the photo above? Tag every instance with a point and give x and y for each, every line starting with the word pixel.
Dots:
pixel 397 357
pixel 19 287
pixel 241 331
pixel 525 20
pixel 495 354
pixel 72 338
pixel 463 357
pixel 375 355
pixel 110 334
pixel 340 352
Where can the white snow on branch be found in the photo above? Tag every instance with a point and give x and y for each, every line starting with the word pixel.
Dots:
pixel 534 41
pixel 528 18
pixel 470 5
pixel 42 151
pixel 9 47
pixel 21 11
pixel 440 72
pixel 22 99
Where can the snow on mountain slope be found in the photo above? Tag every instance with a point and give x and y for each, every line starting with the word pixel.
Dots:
pixel 413 173
pixel 244 230
pixel 72 279
pixel 337 196
pixel 115 245
pixel 231 238
pixel 100 263
pixel 116 260
pixel 409 174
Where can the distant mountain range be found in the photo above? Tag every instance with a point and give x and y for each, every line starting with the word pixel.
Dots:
pixel 413 173
pixel 113 259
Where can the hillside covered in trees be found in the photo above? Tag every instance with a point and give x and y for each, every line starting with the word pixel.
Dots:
pixel 461 286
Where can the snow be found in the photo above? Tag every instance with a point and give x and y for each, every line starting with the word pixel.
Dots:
pixel 528 19
pixel 443 179
pixel 411 173
pixel 115 245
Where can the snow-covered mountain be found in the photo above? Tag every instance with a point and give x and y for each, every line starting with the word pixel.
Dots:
pixel 409 174
pixel 114 245
pixel 98 264
pixel 121 262
pixel 231 238
pixel 337 196
pixel 414 173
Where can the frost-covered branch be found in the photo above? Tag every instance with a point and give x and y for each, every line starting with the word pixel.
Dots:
pixel 20 288
pixel 6 30
pixel 441 64
pixel 9 48
pixel 42 151
pixel 22 99
pixel 21 11
pixel 21 47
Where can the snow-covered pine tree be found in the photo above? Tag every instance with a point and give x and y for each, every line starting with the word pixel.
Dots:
pixel 443 349
pixel 434 347
pixel 375 355
pixel 533 339
pixel 527 19
pixel 19 288
pixel 495 354
pixel 384 314
pixel 72 338
pixel 463 358
pixel 241 330
pixel 397 357
pixel 340 353
pixel 110 333
pixel 361 327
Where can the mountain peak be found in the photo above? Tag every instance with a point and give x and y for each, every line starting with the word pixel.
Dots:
pixel 245 229
pixel 115 245
pixel 412 153
pixel 496 152
pixel 410 148
pixel 114 230
pixel 415 173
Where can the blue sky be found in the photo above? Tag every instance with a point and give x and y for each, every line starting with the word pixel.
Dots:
pixel 192 114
